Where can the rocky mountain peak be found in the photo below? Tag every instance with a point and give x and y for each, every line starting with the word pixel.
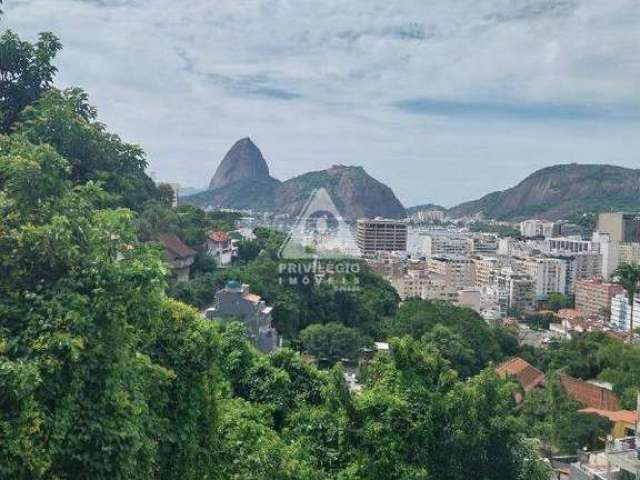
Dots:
pixel 243 161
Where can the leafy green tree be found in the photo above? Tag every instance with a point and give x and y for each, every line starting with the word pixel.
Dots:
pixel 26 72
pixel 628 275
pixel 66 121
pixel 332 342
pixel 558 301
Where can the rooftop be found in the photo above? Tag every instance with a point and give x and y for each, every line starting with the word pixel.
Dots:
pixel 522 371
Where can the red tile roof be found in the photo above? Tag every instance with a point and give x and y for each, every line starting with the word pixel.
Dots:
pixel 218 236
pixel 522 371
pixel 588 394
pixel 624 416
pixel 175 247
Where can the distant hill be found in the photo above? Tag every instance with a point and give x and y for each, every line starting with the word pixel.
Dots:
pixel 425 206
pixel 242 181
pixel 559 191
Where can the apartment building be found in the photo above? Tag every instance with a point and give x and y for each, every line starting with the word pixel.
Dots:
pixel 621 312
pixel 549 275
pixel 458 271
pixel 516 292
pixel 536 228
pixel 629 252
pixel 593 297
pixel 621 227
pixel 381 235
pixel 436 245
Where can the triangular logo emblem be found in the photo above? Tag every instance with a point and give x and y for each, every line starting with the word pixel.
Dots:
pixel 320 232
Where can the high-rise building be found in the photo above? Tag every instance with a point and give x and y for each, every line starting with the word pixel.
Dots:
pixel 549 275
pixel 516 291
pixel 381 235
pixel 458 271
pixel 593 296
pixel 621 312
pixel 621 227
pixel 537 228
pixel 435 245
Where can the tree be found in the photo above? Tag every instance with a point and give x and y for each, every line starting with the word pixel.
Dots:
pixel 332 342
pixel 558 301
pixel 628 276
pixel 26 72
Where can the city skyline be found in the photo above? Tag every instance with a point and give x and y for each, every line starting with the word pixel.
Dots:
pixel 437 101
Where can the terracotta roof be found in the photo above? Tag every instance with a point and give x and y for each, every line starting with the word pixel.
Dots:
pixel 522 371
pixel 588 394
pixel 218 236
pixel 253 298
pixel 624 416
pixel 175 246
pixel 570 314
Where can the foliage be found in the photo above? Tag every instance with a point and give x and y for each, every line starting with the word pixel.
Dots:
pixel 558 301
pixel 332 342
pixel 498 228
pixel 553 417
pixel 25 73
pixel 417 318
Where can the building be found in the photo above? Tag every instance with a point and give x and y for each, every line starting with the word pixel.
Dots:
pixel 580 266
pixel 589 394
pixel 593 297
pixel 435 245
pixel 628 253
pixel 549 275
pixel 486 270
pixel 621 312
pixel 569 245
pixel 381 235
pixel 179 256
pixel 220 247
pixel 430 216
pixel 516 292
pixel 528 376
pixel 621 227
pixel 458 271
pixel 536 228
pixel 235 301
pixel 610 252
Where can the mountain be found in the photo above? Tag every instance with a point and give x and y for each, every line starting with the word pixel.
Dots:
pixel 558 191
pixel 425 206
pixel 355 193
pixel 244 161
pixel 242 181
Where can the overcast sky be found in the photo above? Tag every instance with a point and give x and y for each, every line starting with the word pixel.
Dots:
pixel 443 100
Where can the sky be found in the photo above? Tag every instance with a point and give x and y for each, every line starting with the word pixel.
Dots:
pixel 442 100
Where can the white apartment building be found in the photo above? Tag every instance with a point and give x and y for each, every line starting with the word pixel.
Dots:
pixel 457 271
pixel 515 291
pixel 621 312
pixel 610 251
pixel 436 245
pixel 549 275
pixel 570 245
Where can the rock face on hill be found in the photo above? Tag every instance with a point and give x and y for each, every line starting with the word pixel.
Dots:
pixel 244 161
pixel 355 193
pixel 558 191
pixel 242 181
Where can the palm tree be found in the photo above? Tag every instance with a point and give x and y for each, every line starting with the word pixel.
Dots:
pixel 628 275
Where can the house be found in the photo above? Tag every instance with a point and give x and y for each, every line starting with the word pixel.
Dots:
pixel 589 394
pixel 237 301
pixel 220 247
pixel 528 376
pixel 624 421
pixel 179 256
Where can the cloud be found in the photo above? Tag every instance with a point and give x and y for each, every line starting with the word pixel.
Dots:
pixel 518 111
pixel 424 95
